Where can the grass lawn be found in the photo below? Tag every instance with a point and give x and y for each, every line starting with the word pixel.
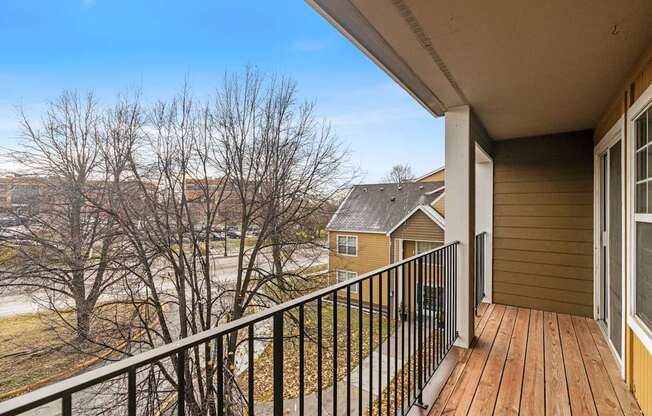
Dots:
pixel 263 365
pixel 35 347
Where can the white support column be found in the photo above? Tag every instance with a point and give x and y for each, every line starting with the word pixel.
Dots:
pixel 460 212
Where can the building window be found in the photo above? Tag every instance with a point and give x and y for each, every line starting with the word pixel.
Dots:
pixel 345 275
pixel 425 246
pixel 347 245
pixel 643 219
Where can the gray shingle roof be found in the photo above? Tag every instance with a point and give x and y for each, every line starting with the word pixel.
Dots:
pixel 379 207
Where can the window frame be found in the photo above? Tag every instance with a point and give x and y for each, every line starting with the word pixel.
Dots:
pixel 416 249
pixel 642 330
pixel 353 275
pixel 347 236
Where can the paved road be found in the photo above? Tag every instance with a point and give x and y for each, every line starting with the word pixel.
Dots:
pixel 225 268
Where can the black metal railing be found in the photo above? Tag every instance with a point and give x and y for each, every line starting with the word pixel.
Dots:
pixel 479 268
pixel 406 310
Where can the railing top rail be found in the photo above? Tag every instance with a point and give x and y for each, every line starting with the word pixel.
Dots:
pixel 80 382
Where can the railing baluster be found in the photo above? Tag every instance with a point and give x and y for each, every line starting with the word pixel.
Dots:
pixel 219 352
pixel 419 334
pixel 278 363
pixel 371 345
pixel 380 342
pixel 404 322
pixel 429 309
pixel 302 336
pixel 360 347
pixel 389 333
pixel 250 390
pixel 181 383
pixel 319 358
pixel 396 340
pixel 411 323
pixel 335 353
pixel 131 391
pixel 348 350
pixel 66 405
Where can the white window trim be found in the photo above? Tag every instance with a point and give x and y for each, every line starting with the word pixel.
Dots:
pixel 354 288
pixel 642 332
pixel 614 134
pixel 337 245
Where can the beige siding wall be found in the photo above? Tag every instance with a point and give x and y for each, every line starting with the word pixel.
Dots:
pixel 419 227
pixel 435 177
pixel 543 208
pixel 440 205
pixel 373 253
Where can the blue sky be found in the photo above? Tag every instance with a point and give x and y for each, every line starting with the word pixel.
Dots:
pixel 108 46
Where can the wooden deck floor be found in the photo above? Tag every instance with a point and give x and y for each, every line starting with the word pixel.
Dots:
pixel 530 362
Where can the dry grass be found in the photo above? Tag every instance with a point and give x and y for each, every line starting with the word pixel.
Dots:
pixel 263 365
pixel 38 347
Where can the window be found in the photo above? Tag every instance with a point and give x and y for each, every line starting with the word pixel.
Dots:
pixel 344 275
pixel 643 219
pixel 347 245
pixel 425 246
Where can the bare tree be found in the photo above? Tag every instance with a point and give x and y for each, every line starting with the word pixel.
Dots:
pixel 66 247
pixel 400 173
pixel 277 168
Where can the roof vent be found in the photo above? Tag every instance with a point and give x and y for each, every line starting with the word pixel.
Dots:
pixel 393 199
pixel 364 189
pixel 382 189
pixel 400 187
pixel 420 186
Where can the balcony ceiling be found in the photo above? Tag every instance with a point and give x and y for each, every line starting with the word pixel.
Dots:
pixel 526 67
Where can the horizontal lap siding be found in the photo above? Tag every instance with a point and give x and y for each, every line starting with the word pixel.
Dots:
pixel 419 227
pixel 543 223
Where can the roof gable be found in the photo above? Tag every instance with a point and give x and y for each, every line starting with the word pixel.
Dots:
pixel 379 207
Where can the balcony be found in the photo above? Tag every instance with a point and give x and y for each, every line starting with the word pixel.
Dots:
pixel 531 362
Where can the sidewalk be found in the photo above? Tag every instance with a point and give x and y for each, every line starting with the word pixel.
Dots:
pixel 388 361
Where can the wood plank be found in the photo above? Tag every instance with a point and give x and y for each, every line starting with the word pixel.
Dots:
pixel 485 395
pixel 509 393
pixel 606 402
pixel 625 398
pixel 557 402
pixel 460 401
pixel 533 393
pixel 579 390
pixel 464 354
